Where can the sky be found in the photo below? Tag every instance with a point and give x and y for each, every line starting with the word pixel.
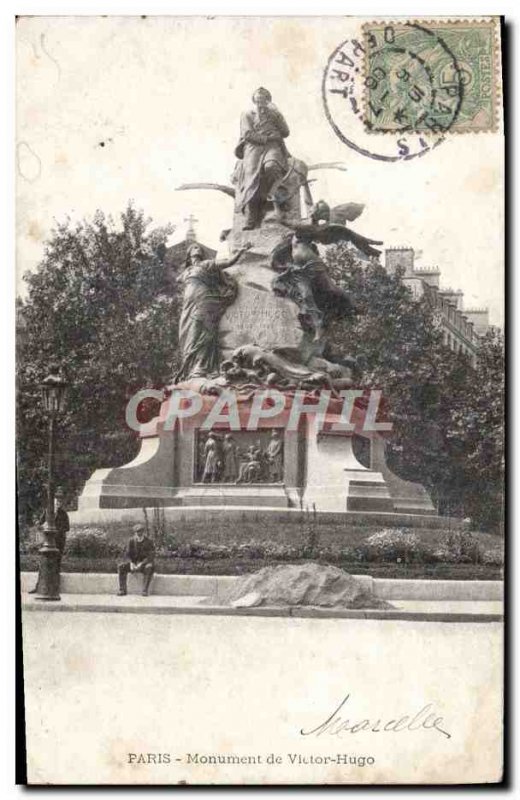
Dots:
pixel 122 108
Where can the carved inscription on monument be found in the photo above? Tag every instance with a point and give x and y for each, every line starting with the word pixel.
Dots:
pixel 258 316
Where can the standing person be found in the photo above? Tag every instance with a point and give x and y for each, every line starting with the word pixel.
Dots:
pixel 211 460
pixel 61 522
pixel 230 459
pixel 274 454
pixel 206 293
pixel 139 557
pixel 61 526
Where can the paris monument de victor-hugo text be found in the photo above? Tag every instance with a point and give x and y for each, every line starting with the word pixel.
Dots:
pixel 251 323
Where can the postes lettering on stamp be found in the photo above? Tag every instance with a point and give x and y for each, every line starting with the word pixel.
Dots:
pixel 414 81
pixel 434 77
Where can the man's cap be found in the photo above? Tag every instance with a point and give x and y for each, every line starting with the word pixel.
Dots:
pixel 138 528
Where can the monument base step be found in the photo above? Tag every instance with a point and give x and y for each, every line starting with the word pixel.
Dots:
pixel 366 495
pixel 265 515
pixel 247 494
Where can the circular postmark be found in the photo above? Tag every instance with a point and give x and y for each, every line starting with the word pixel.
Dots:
pixel 394 93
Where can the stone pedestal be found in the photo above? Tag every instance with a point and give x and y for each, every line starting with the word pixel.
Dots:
pixel 322 468
pixel 319 470
pixel 336 480
pixel 262 239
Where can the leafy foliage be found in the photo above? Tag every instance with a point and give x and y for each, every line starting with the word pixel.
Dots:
pixel 479 431
pixel 447 416
pixel 91 543
pixel 396 545
pixel 98 306
pixel 391 545
pixel 104 307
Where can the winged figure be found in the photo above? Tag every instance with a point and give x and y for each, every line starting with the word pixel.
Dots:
pixel 326 226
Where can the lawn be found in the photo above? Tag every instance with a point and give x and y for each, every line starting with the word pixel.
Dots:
pixel 292 533
pixel 220 549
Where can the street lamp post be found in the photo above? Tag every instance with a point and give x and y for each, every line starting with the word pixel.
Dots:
pixel 53 394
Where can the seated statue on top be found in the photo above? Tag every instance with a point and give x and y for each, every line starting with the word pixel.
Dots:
pixel 263 158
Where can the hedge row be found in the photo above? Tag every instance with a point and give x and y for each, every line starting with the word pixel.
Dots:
pixel 387 545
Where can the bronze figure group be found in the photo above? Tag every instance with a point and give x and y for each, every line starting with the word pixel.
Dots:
pixel 222 460
pixel 269 186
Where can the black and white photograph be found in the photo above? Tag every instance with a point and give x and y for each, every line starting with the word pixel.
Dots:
pixel 260 399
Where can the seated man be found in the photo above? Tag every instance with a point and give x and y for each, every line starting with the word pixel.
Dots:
pixel 139 558
pixel 262 157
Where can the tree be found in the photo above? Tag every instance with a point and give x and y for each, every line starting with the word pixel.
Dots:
pixel 480 425
pixel 104 306
pixel 447 416
pixel 101 306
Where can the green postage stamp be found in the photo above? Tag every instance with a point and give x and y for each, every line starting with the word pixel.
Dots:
pixel 431 77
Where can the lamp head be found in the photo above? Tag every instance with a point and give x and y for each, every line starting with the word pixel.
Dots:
pixel 53 389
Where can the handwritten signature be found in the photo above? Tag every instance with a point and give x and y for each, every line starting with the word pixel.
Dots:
pixel 337 724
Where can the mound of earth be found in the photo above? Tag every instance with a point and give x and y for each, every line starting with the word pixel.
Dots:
pixel 301 585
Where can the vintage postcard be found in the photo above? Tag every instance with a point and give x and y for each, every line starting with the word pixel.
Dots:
pixel 260 387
